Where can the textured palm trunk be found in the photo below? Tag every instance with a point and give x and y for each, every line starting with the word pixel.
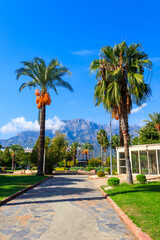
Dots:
pixel 86 158
pixel 74 159
pixel 124 125
pixel 41 140
pixel 13 161
pixel 106 157
pixel 101 155
pixel 121 140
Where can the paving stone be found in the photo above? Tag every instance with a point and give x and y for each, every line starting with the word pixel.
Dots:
pixel 6 231
pixel 21 233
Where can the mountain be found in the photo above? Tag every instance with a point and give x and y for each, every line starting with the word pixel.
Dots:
pixel 77 129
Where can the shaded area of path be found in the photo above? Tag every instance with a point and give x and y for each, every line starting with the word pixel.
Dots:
pixel 62 208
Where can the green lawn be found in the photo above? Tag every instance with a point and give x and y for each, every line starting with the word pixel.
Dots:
pixel 11 184
pixel 141 202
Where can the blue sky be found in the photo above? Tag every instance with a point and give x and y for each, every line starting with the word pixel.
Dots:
pixel 74 32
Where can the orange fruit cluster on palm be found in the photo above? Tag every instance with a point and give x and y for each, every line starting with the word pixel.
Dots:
pixel 85 151
pixel 42 98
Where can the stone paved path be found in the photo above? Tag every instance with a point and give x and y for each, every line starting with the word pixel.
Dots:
pixel 62 208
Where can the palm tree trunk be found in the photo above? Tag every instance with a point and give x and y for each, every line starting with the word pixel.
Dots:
pixel 101 155
pixel 86 158
pixel 121 140
pixel 106 157
pixel 124 126
pixel 41 140
pixel 13 158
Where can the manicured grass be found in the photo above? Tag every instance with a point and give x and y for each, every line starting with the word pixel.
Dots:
pixel 11 184
pixel 141 202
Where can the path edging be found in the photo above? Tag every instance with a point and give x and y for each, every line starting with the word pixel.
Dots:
pixel 133 227
pixel 22 191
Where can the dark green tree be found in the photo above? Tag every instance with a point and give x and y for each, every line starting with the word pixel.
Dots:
pixel 7 157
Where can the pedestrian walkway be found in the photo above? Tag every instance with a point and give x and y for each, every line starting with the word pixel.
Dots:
pixel 67 207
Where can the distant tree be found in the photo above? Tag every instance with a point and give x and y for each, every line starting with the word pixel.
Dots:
pixel 103 141
pixel 155 119
pixel 148 134
pixel 135 141
pixel 86 148
pixel 7 157
pixel 74 148
pixel 115 142
pixel 57 151
pixel 15 149
pixel 1 146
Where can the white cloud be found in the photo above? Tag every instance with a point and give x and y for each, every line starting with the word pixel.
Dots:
pixel 85 52
pixel 135 110
pixel 21 124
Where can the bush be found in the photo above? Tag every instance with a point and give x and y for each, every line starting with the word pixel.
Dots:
pixel 141 178
pixel 34 168
pixel 60 168
pixel 94 162
pixel 113 181
pixel 107 169
pixel 88 168
pixel 100 174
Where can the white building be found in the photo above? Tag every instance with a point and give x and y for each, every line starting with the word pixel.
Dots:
pixel 144 159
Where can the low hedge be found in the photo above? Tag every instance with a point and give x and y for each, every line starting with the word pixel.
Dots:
pixel 141 178
pixel 100 174
pixel 113 181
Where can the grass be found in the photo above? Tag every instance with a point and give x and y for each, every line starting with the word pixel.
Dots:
pixel 141 202
pixel 11 184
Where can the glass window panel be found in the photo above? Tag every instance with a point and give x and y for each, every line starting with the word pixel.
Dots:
pixel 121 155
pixel 143 160
pixel 122 170
pixel 152 162
pixel 135 163
pixel 122 163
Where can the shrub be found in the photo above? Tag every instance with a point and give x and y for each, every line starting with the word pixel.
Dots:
pixel 60 168
pixel 107 169
pixel 100 174
pixel 34 168
pixel 88 168
pixel 113 181
pixel 141 178
pixel 94 162
pixel 115 172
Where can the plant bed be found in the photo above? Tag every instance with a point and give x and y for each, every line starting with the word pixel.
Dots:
pixel 10 184
pixel 140 202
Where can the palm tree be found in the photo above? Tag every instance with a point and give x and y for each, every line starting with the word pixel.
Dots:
pixel 102 140
pixel 45 78
pixel 15 148
pixel 74 148
pixel 120 73
pixel 85 149
pixel 155 119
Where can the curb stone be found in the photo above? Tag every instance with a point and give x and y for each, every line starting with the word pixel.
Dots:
pixel 22 191
pixel 133 227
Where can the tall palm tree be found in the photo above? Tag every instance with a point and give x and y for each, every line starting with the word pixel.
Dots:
pixel 85 149
pixel 102 140
pixel 120 71
pixel 44 77
pixel 155 119
pixel 74 148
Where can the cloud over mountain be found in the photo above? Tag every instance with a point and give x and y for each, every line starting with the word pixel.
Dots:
pixel 20 124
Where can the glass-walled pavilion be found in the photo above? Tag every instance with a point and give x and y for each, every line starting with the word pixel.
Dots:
pixel 144 159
